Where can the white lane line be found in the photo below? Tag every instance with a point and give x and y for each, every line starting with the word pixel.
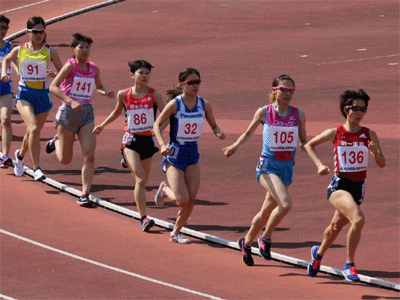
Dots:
pixel 25 6
pixel 6 297
pixel 107 266
pixel 359 59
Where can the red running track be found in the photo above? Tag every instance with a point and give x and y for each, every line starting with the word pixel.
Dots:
pixel 238 48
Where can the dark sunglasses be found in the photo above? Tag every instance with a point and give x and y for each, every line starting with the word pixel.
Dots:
pixel 4 27
pixel 284 89
pixel 362 109
pixel 192 82
pixel 37 31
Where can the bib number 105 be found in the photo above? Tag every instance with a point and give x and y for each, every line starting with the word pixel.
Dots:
pixel 284 137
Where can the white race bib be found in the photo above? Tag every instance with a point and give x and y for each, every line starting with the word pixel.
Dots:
pixel 140 119
pixel 82 88
pixel 33 70
pixel 352 158
pixel 283 138
pixel 190 129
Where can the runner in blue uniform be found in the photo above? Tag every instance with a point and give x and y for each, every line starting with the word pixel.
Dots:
pixel 186 112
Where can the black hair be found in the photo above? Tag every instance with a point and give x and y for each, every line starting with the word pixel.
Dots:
pixel 347 98
pixel 78 38
pixel 177 90
pixel 4 19
pixel 135 65
pixel 32 22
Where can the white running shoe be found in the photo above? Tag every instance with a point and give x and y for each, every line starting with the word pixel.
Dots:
pixel 19 165
pixel 160 195
pixel 39 175
pixel 177 238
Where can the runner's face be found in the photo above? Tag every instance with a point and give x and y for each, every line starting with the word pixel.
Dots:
pixel 36 37
pixel 191 89
pixel 3 30
pixel 82 51
pixel 142 76
pixel 355 116
pixel 284 95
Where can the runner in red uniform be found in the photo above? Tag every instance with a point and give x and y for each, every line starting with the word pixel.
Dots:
pixel 352 143
pixel 140 103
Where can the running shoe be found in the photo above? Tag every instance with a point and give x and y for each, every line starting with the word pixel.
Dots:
pixel 160 195
pixel 265 248
pixel 177 238
pixel 313 266
pixel 147 224
pixel 6 162
pixel 51 146
pixel 124 164
pixel 19 165
pixel 246 252
pixel 84 201
pixel 38 174
pixel 350 273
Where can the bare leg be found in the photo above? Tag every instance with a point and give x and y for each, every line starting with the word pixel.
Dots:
pixel 88 145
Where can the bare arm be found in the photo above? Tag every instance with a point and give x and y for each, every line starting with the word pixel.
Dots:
pixel 327 135
pixel 257 120
pixel 101 89
pixel 375 149
pixel 211 121
pixel 302 130
pixel 12 56
pixel 114 114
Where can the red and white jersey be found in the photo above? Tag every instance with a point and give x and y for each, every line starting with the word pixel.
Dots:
pixel 351 153
pixel 140 113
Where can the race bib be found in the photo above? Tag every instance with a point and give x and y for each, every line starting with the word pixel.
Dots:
pixel 283 138
pixel 352 158
pixel 190 129
pixel 9 67
pixel 33 70
pixel 140 120
pixel 82 88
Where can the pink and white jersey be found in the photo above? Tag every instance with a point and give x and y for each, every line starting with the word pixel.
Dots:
pixel 351 153
pixel 80 84
pixel 280 133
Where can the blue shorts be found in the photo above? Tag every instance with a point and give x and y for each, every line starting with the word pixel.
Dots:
pixel 282 169
pixel 5 88
pixel 74 120
pixel 40 100
pixel 181 156
pixel 144 145
pixel 355 188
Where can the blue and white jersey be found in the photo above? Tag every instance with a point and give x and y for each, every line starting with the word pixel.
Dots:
pixel 4 52
pixel 187 125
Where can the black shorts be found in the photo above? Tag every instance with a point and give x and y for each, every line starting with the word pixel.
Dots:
pixel 144 145
pixel 355 188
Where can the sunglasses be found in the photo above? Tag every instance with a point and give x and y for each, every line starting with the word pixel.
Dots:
pixel 284 89
pixel 4 27
pixel 192 82
pixel 362 109
pixel 37 31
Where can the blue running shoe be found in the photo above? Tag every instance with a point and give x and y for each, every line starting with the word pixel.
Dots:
pixel 350 273
pixel 84 201
pixel 246 252
pixel 147 224
pixel 313 266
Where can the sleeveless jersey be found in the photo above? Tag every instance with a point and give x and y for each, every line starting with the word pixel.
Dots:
pixel 4 52
pixel 280 133
pixel 33 66
pixel 80 84
pixel 187 125
pixel 351 153
pixel 140 113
